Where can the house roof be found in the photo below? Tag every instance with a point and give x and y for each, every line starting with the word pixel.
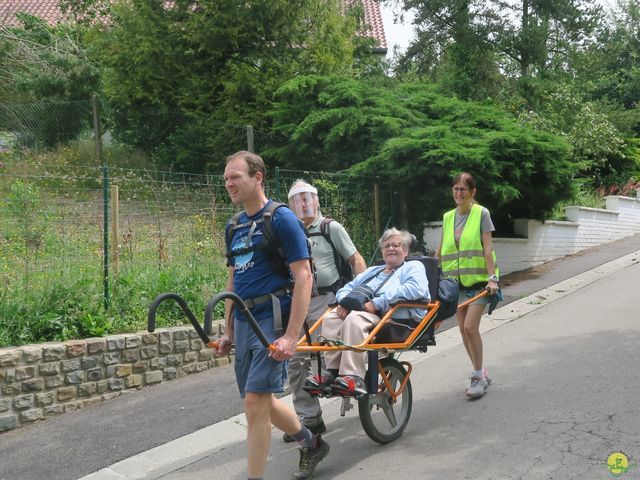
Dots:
pixel 375 27
pixel 49 10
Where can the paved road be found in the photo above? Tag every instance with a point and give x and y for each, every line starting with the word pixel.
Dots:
pixel 75 444
pixel 564 398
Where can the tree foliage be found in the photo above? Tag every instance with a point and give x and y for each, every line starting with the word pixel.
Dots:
pixel 469 42
pixel 420 139
pixel 560 66
pixel 188 68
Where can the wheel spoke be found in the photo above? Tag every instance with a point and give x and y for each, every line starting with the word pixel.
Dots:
pixel 388 403
pixel 390 413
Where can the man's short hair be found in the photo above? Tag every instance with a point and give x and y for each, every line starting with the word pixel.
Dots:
pixel 254 163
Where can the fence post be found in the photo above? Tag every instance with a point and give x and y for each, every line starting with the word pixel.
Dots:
pixel 376 208
pixel 277 182
pixel 115 233
pixel 97 134
pixel 250 144
pixel 105 235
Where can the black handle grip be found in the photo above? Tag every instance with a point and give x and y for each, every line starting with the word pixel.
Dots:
pixel 151 317
pixel 243 309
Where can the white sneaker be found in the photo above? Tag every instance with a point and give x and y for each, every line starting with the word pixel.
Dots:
pixel 477 387
pixel 485 374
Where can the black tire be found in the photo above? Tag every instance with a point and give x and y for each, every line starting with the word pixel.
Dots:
pixel 382 419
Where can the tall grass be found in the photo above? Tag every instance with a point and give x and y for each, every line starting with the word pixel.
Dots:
pixel 171 239
pixel 51 252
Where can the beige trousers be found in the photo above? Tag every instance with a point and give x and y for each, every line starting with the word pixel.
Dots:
pixel 352 331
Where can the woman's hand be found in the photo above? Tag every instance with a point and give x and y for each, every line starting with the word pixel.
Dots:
pixel 371 308
pixel 342 312
pixel 492 287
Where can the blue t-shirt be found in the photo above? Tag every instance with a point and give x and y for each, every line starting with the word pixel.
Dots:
pixel 253 272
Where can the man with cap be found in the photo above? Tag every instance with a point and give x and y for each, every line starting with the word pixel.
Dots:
pixel 303 200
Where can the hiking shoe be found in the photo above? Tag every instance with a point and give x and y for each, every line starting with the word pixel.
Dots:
pixel 309 459
pixel 317 429
pixel 318 385
pixel 477 387
pixel 349 386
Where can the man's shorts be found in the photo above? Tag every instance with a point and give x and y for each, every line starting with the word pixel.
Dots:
pixel 257 372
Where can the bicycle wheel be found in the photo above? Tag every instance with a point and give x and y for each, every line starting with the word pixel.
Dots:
pixel 382 418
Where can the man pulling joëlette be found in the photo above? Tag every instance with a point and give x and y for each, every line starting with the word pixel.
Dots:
pixel 253 276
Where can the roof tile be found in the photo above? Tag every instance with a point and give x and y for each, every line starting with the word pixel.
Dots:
pixel 48 10
pixel 373 19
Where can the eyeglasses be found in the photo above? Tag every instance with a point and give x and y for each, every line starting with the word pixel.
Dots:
pixel 460 189
pixel 395 246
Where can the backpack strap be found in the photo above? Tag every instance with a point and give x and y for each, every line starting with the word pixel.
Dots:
pixel 228 236
pixel 274 250
pixel 343 267
pixel 231 228
pixel 279 259
pixel 325 231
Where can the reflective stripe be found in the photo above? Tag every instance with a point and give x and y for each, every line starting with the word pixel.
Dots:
pixel 474 271
pixel 467 271
pixel 466 253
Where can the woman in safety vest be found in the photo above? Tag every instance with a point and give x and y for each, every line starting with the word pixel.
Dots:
pixel 466 254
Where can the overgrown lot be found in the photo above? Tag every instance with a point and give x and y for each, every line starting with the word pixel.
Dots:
pixel 51 251
pixel 170 239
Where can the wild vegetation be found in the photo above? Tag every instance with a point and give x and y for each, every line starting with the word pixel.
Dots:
pixel 171 238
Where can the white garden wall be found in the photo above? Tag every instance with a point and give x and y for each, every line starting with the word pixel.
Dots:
pixel 545 241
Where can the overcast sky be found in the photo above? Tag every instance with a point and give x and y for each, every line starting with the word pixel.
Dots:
pixel 397 34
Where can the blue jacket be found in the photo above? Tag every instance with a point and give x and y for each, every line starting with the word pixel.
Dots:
pixel 408 282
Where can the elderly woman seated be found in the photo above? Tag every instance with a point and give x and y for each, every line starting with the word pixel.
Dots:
pixel 387 284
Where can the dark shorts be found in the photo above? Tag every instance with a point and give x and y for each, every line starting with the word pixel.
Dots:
pixel 257 372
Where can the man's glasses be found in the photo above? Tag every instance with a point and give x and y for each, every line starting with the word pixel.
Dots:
pixel 395 246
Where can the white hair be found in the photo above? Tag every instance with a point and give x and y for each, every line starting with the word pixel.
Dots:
pixel 405 237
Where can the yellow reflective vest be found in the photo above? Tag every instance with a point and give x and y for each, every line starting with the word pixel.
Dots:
pixel 465 262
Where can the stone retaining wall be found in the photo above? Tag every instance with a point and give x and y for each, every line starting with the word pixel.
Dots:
pixel 41 381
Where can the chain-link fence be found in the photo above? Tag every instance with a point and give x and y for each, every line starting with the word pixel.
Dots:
pixel 166 138
pixel 88 237
pixel 43 125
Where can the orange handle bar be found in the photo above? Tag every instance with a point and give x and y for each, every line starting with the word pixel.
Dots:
pixel 483 293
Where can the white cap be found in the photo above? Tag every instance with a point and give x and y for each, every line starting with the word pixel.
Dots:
pixel 304 188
